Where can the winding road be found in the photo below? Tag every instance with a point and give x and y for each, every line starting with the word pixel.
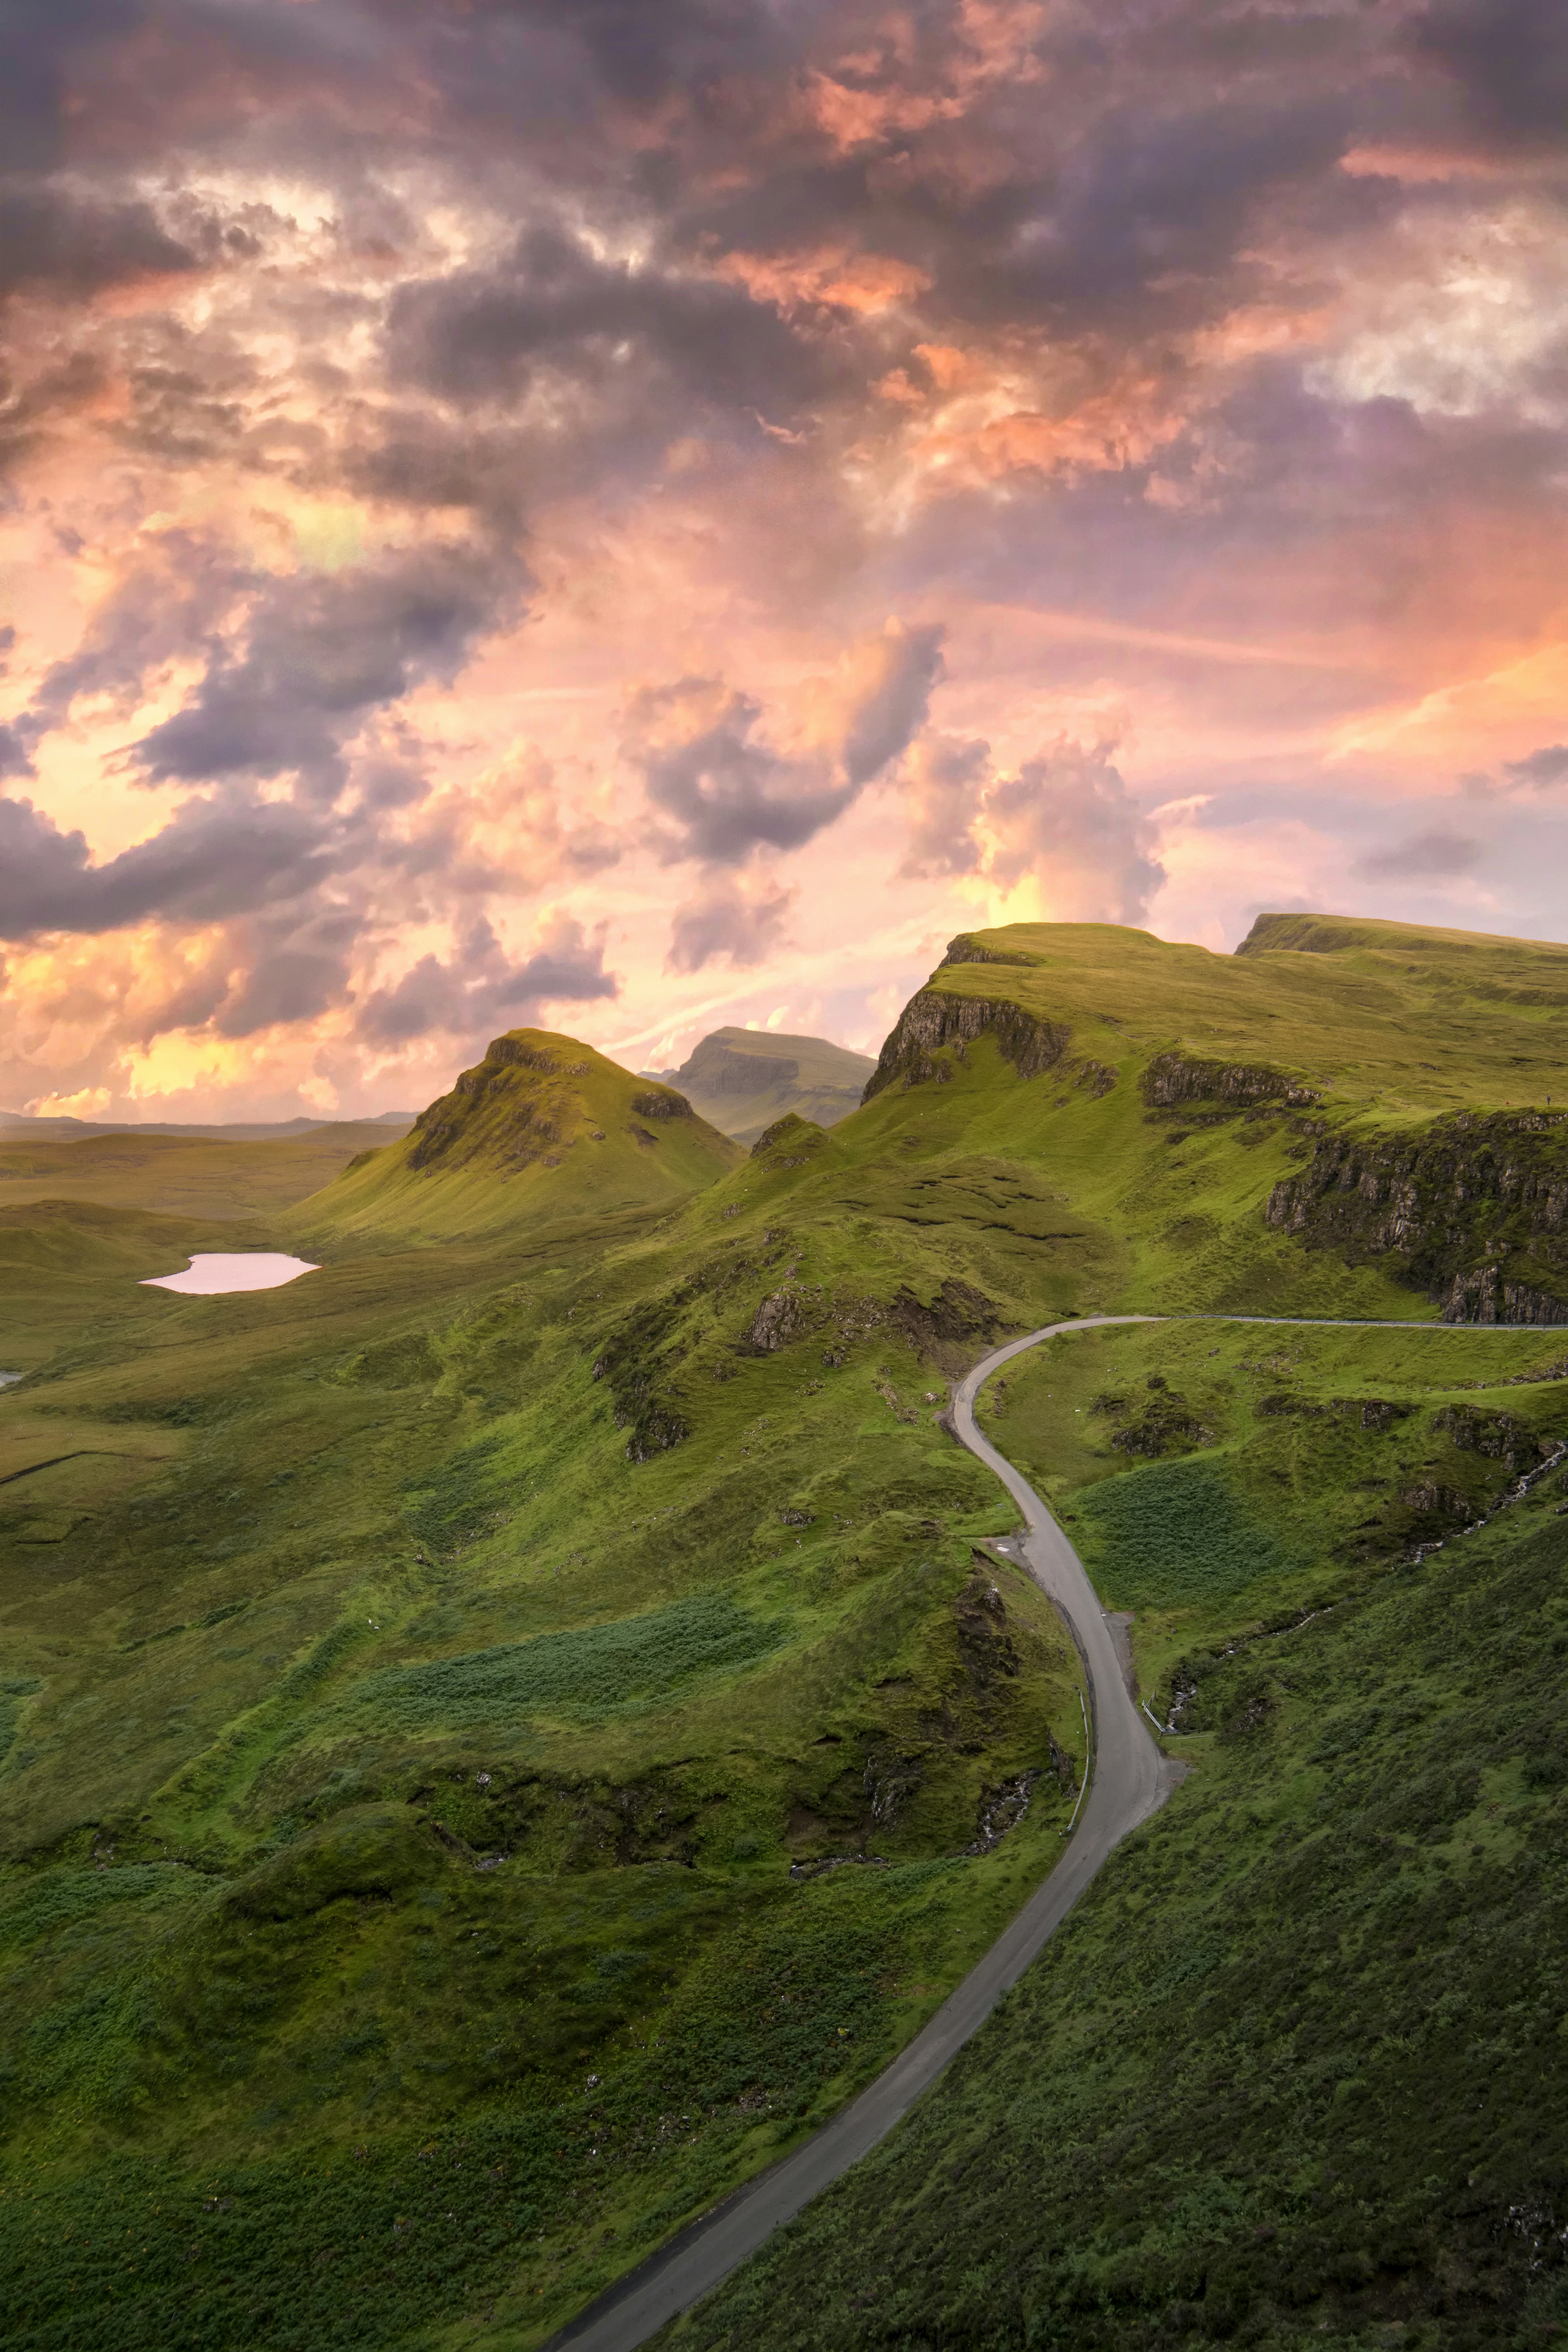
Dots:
pixel 1128 1778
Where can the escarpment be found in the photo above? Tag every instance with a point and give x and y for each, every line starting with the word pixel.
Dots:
pixel 966 949
pixel 1171 1078
pixel 933 1020
pixel 1473 1210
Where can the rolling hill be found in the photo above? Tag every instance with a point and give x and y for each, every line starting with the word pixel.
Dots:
pixel 181 1175
pixel 542 1127
pixel 23 1127
pixel 741 1080
pixel 501 1737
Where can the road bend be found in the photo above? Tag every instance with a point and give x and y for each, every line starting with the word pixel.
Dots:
pixel 1128 1777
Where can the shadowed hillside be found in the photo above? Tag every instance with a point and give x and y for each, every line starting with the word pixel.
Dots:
pixel 741 1080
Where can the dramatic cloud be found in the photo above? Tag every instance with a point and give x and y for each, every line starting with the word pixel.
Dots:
pixel 943 785
pixel 1510 59
pixel 1063 823
pixel 728 924
pixel 696 746
pixel 460 463
pixel 208 864
pixel 51 237
pixel 317 656
pixel 479 989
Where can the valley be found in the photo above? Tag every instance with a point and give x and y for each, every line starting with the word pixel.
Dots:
pixel 500 1734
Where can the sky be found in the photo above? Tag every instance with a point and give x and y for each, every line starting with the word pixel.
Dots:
pixel 635 515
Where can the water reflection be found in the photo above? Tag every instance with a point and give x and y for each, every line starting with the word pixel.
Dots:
pixel 218 1270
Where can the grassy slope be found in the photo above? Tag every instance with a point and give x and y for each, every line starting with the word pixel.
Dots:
pixel 824 1085
pixel 1412 1022
pixel 1226 2103
pixel 388 1537
pixel 544 1127
pixel 1294 2073
pixel 405 1461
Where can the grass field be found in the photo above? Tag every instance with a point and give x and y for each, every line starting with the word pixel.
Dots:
pixel 493 1732
pixel 174 1175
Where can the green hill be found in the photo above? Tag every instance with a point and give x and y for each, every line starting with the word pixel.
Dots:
pixel 500 1736
pixel 741 1080
pixel 542 1127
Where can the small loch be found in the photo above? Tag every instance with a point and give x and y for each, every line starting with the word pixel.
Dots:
pixel 215 1271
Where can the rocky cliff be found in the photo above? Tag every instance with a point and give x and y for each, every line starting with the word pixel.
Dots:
pixel 932 1019
pixel 1472 1209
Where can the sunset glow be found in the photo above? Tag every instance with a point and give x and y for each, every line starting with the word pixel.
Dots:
pixel 645 517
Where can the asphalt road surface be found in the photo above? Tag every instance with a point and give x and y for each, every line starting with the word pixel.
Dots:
pixel 1127 1780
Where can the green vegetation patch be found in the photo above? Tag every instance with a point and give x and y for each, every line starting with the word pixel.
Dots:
pixel 1174 1534
pixel 41 1905
pixel 13 1696
pixel 594 1672
pixel 1294 2071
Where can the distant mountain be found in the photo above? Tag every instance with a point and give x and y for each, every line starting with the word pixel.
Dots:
pixel 743 1079
pixel 23 1124
pixel 544 1128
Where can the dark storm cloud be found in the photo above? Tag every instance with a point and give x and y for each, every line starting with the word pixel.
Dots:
pixel 1145 212
pixel 72 245
pixel 166 606
pixel 39 42
pixel 695 745
pixel 206 864
pixel 1509 60
pixel 479 989
pixel 553 310
pixel 13 759
pixel 730 794
pixel 319 655
pixel 560 55
pixel 295 966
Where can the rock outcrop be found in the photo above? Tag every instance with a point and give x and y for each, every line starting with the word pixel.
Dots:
pixel 933 1020
pixel 1171 1078
pixel 1473 1210
pixel 965 949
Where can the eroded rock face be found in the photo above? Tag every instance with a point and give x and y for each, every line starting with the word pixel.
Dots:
pixel 958 1313
pixel 1498 1435
pixel 965 949
pixel 781 1317
pixel 663 1104
pixel 933 1020
pixel 1473 1210
pixel 1172 1079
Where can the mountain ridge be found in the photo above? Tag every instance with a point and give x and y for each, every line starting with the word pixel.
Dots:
pixel 743 1080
